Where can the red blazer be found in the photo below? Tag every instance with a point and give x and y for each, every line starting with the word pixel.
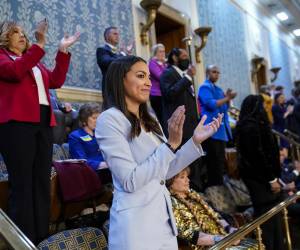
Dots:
pixel 19 99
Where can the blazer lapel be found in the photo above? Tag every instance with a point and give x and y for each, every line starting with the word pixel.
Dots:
pixel 178 77
pixel 162 138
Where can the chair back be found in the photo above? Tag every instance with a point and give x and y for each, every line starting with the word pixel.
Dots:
pixel 58 153
pixel 65 147
pixel 81 238
pixel 77 180
pixel 3 170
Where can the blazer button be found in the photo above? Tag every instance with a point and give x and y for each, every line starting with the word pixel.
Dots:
pixel 162 182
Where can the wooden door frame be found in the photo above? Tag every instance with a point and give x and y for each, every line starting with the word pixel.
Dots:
pixel 170 13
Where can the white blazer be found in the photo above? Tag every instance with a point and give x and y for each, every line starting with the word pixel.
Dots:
pixel 141 211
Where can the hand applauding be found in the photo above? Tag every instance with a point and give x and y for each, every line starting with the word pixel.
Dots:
pixel 68 41
pixel 203 132
pixel 175 127
pixel 40 33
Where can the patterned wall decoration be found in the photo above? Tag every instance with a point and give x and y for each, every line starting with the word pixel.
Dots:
pixel 226 44
pixel 90 17
pixel 279 56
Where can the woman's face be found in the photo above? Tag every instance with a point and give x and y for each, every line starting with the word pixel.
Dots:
pixel 17 40
pixel 137 85
pixel 91 122
pixel 181 183
pixel 160 54
pixel 281 99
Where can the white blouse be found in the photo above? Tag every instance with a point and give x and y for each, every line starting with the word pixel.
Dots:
pixel 40 85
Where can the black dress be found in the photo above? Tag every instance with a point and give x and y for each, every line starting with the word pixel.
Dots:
pixel 259 164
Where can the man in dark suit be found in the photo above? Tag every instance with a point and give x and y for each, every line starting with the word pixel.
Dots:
pixel 177 89
pixel 110 52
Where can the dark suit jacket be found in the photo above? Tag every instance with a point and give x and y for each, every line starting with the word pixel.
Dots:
pixel 105 57
pixel 176 91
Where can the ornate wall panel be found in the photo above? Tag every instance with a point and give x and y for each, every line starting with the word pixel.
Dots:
pixel 226 44
pixel 280 57
pixel 90 17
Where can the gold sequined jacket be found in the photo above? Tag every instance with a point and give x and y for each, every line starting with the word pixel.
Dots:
pixel 194 215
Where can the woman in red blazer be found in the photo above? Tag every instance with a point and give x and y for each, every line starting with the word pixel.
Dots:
pixel 26 121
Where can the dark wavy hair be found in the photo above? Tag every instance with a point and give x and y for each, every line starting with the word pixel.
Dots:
pixel 253 108
pixel 114 96
pixel 174 52
pixel 253 112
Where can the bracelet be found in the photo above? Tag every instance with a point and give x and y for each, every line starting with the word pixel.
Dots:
pixel 170 147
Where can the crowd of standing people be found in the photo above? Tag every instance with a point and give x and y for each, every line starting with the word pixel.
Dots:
pixel 143 148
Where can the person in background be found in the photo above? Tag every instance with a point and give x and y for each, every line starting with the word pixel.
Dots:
pixel 259 166
pixel 289 170
pixel 265 92
pixel 280 113
pixel 106 54
pixel 177 89
pixel 197 222
pixel 157 65
pixel 66 118
pixel 140 159
pixel 293 120
pixel 26 121
pixel 279 89
pixel 213 100
pixel 83 143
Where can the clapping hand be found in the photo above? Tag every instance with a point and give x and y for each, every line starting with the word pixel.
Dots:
pixel 203 132
pixel 191 70
pixel 230 94
pixel 175 127
pixel 68 41
pixel 40 33
pixel 127 49
pixel 275 187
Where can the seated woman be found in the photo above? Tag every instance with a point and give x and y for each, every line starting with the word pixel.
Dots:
pixel 197 223
pixel 83 144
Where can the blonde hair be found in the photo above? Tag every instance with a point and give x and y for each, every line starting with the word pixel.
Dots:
pixel 155 48
pixel 6 30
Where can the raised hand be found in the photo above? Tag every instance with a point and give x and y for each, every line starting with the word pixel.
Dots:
pixel 275 187
pixel 203 132
pixel 129 48
pixel 191 70
pixel 40 33
pixel 175 127
pixel 68 41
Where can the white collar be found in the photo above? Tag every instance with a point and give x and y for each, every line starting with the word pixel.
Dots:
pixel 111 46
pixel 179 71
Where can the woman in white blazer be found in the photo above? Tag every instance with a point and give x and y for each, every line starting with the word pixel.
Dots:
pixel 141 159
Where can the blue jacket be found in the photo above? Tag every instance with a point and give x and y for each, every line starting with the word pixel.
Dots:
pixel 84 146
pixel 208 95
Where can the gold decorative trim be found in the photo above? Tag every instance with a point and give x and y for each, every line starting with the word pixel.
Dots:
pixel 75 94
pixel 174 14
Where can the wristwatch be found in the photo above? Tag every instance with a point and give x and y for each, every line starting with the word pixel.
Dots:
pixel 170 147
